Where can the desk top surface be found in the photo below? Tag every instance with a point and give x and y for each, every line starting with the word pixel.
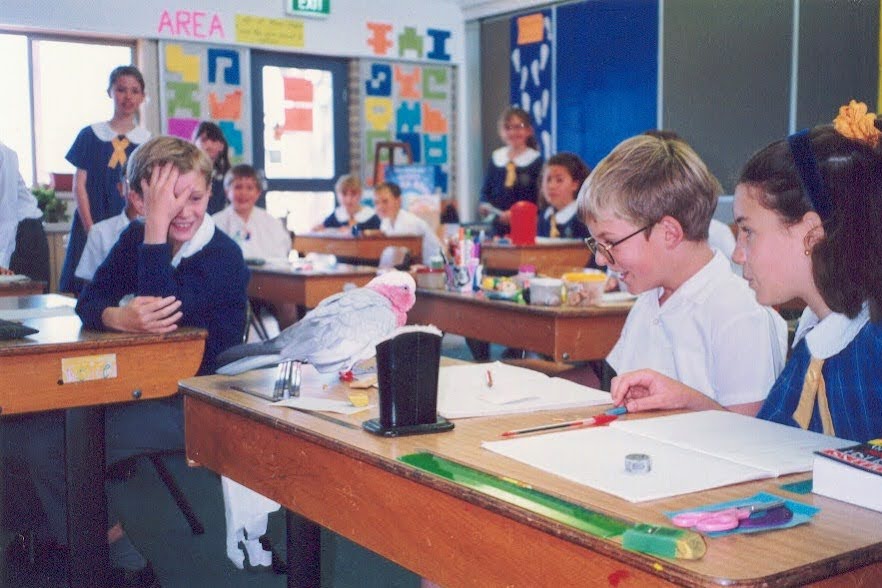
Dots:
pixel 840 537
pixel 478 299
pixel 341 270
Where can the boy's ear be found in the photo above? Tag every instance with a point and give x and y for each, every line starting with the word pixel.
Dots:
pixel 672 229
pixel 137 201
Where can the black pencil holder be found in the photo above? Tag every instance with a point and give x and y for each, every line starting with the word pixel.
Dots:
pixel 407 375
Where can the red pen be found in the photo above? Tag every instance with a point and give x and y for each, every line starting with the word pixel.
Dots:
pixel 594 421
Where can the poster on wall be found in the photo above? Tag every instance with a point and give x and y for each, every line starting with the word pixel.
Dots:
pixel 204 82
pixel 532 63
pixel 411 103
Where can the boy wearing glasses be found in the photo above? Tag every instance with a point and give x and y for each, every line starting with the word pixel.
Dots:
pixel 648 205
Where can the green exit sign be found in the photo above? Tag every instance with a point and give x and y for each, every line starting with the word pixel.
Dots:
pixel 310 8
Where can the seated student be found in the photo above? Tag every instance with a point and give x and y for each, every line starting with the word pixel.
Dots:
pixel 104 235
pixel 809 227
pixel 174 269
pixel 23 246
pixel 562 177
pixel 648 205
pixel 258 233
pixel 396 221
pixel 350 213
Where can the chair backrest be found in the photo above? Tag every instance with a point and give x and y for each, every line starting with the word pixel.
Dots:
pixel 395 257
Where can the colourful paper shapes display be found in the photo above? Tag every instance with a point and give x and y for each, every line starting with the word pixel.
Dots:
pixel 230 107
pixel 231 71
pixel 179 62
pixel 435 83
pixel 435 149
pixel 439 44
pixel 379 39
pixel 180 97
pixel 434 120
pixel 182 127
pixel 298 89
pixel 379 83
pixel 378 112
pixel 415 142
pixel 408 82
pixel 531 28
pixel 233 135
pixel 409 40
pixel 409 117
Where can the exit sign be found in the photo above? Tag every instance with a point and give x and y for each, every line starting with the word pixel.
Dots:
pixel 309 8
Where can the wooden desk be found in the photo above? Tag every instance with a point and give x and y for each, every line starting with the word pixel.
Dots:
pixel 350 482
pixel 564 333
pixel 550 257
pixel 22 288
pixel 280 284
pixel 148 366
pixel 358 250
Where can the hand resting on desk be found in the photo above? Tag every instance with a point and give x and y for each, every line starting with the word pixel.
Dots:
pixel 144 314
pixel 649 390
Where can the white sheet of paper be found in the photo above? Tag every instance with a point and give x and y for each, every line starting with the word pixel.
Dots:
pixel 322 404
pixel 20 314
pixel 595 457
pixel 463 391
pixel 12 278
pixel 689 452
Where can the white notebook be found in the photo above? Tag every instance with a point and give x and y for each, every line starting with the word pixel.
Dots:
pixel 689 452
pixel 463 391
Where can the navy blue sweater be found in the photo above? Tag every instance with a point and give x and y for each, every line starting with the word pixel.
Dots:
pixel 211 285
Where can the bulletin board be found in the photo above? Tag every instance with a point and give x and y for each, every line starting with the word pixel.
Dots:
pixel 532 64
pixel 205 82
pixel 607 74
pixel 409 102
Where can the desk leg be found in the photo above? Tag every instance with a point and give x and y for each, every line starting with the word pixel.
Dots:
pixel 86 502
pixel 304 551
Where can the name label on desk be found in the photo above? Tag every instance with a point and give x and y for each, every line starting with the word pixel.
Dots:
pixel 88 367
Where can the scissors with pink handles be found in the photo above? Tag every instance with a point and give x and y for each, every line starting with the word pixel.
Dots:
pixel 712 520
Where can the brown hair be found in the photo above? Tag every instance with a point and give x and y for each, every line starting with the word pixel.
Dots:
pixel 348 182
pixel 846 262
pixel 524 117
pixel 393 188
pixel 646 178
pixel 125 70
pixel 213 132
pixel 243 170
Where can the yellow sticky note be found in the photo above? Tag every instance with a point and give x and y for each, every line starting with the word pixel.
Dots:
pixel 88 367
pixel 285 32
pixel 358 398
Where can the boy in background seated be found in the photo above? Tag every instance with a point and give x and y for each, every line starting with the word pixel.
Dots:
pixel 396 221
pixel 648 205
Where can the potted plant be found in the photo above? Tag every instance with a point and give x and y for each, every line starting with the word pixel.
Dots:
pixel 54 210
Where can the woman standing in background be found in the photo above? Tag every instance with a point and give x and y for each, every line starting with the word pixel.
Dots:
pixel 210 138
pixel 99 153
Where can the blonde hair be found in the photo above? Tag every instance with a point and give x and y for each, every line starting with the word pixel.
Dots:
pixel 348 182
pixel 647 178
pixel 158 151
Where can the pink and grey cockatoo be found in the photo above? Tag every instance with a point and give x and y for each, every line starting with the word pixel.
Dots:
pixel 338 333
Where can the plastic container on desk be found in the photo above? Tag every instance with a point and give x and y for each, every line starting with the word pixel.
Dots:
pixel 546 292
pixel 584 288
pixel 431 278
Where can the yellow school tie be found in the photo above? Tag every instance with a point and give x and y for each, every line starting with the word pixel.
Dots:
pixel 510 174
pixel 119 151
pixel 554 232
pixel 814 389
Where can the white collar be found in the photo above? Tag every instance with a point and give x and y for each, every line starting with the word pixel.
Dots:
pixel 825 338
pixel 525 158
pixel 203 235
pixel 103 131
pixel 701 284
pixel 564 215
pixel 364 213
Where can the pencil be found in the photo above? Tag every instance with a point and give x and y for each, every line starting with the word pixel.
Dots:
pixel 594 421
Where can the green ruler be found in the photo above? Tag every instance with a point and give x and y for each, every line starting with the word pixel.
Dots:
pixel 519 494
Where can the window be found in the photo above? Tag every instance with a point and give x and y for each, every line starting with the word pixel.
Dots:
pixel 300 128
pixel 67 92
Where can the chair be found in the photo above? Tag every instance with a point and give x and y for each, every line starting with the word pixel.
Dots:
pixel 395 257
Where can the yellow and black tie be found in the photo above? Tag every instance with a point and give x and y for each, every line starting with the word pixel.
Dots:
pixel 510 174
pixel 554 232
pixel 119 156
pixel 814 390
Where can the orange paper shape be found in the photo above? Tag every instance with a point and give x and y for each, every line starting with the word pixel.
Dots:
pixel 230 108
pixel 433 120
pixel 298 90
pixel 408 83
pixel 298 119
pixel 531 28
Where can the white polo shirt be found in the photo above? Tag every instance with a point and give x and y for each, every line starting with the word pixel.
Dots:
pixel 711 334
pixel 407 223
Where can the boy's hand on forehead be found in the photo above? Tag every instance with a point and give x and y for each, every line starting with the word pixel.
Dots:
pixel 161 204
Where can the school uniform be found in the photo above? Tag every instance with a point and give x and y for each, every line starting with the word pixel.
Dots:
pixel 407 223
pixel 261 236
pixel 102 237
pixel 848 354
pixel 564 223
pixel 508 181
pixel 365 219
pixel 103 155
pixel 711 334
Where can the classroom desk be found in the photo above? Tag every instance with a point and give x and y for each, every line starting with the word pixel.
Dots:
pixel 357 250
pixel 566 334
pixel 21 287
pixel 550 257
pixel 281 284
pixel 148 366
pixel 349 481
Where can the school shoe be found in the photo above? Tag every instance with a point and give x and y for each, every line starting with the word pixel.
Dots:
pixel 143 578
